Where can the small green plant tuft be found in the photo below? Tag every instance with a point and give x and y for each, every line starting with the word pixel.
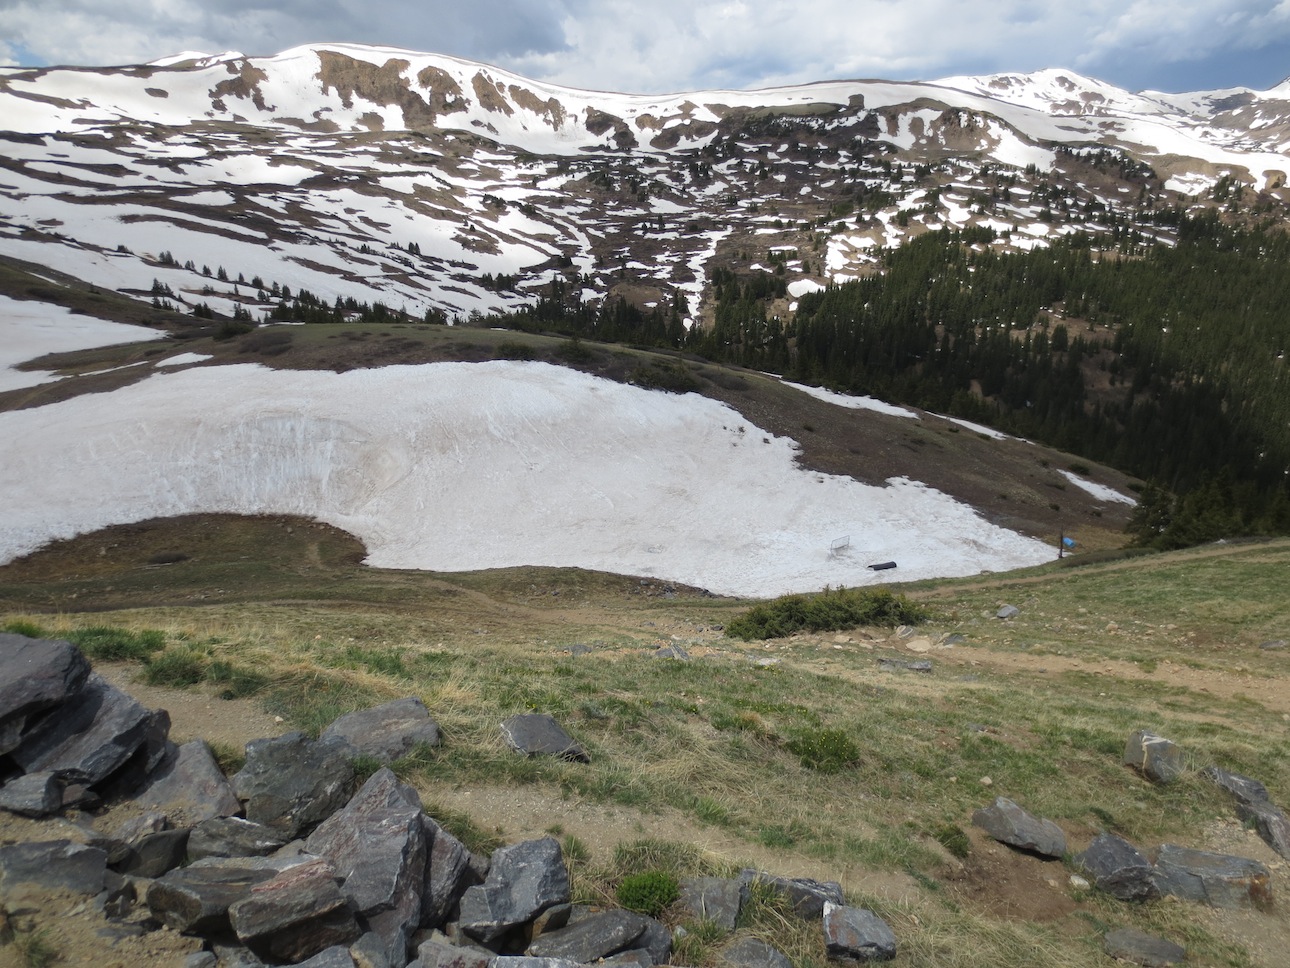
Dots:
pixel 23 627
pixel 110 644
pixel 175 667
pixel 952 838
pixel 649 892
pixel 830 610
pixel 824 750
pixel 237 682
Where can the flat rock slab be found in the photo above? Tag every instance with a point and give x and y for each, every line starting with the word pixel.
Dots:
pixel 807 896
pixel 436 952
pixel 33 794
pixel 232 837
pixel 154 854
pixel 195 900
pixel 37 674
pixel 716 899
pixel 189 787
pixel 590 939
pixel 386 732
pixel 523 880
pixel 295 915
pixel 337 956
pixel 1140 948
pixel 748 952
pixel 1119 868
pixel 1155 757
pixel 87 739
pixel 1009 824
pixel 52 866
pixel 536 734
pixel 1219 880
pixel 1271 823
pixel 856 934
pixel 292 783
pixel 1243 788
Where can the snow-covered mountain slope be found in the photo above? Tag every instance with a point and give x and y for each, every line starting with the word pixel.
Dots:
pixel 438 185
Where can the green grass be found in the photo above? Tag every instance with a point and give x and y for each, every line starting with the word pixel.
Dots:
pixel 841 608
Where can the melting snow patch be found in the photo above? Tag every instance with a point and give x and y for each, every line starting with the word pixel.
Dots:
pixel 1099 491
pixel 852 402
pixel 183 359
pixel 458 466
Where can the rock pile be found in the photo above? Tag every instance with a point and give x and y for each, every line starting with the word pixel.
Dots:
pixel 293 861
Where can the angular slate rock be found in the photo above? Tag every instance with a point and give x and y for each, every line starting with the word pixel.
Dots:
pixel 1271 823
pixel 631 958
pixel 385 732
pixel 377 845
pixel 438 953
pixel 195 900
pixel 51 866
pixel 232 837
pixel 1153 756
pixel 337 956
pixel 523 880
pixel 154 750
pixel 806 895
pixel 536 734
pixel 370 951
pixel 295 914
pixel 591 939
pixel 1140 948
pixel 1009 824
pixel 1243 788
pixel 1220 880
pixel 154 854
pixel 1008 611
pixel 526 961
pixel 35 675
pixel 190 785
pixel 748 952
pixel 292 783
pixel 715 899
pixel 655 941
pixel 33 794
pixel 86 740
pixel 448 874
pixel 856 934
pixel 201 959
pixel 1119 868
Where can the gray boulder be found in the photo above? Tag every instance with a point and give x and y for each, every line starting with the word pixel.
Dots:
pixel 655 941
pixel 337 956
pixel 748 952
pixel 1153 756
pixel 856 934
pixel 528 961
pixel 448 873
pixel 807 896
pixel 1243 788
pixel 523 880
pixel 1271 823
pixel 1219 880
pixel 292 783
pixel 1119 868
pixel 385 732
pixel 195 900
pixel 1139 948
pixel 1009 824
pixel 33 794
pixel 590 939
pixel 1007 611
pixel 153 854
pixel 189 786
pixel 35 675
pixel 232 837
pixel 377 845
pixel 295 914
pixel 437 952
pixel 536 734
pixel 87 739
pixel 716 899
pixel 52 865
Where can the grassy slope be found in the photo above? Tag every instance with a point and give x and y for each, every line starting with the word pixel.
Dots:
pixel 1041 705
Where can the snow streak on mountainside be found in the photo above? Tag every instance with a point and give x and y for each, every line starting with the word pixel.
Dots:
pixel 442 186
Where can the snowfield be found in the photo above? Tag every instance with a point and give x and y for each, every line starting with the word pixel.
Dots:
pixel 459 466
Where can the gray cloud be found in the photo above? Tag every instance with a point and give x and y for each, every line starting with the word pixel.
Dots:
pixel 671 45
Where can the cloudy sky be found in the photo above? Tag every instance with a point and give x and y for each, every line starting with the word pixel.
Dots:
pixel 655 46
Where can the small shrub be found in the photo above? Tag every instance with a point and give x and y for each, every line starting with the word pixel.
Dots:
pixel 671 377
pixel 572 351
pixel 116 645
pixel 648 892
pixel 167 558
pixel 511 350
pixel 1078 468
pixel 824 750
pixel 826 612
pixel 23 627
pixel 238 683
pixel 952 838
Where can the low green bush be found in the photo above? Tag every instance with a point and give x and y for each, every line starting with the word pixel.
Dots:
pixel 177 667
pixel 110 644
pixel 648 892
pixel 824 750
pixel 830 610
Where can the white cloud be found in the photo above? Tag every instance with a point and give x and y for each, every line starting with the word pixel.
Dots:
pixel 671 45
